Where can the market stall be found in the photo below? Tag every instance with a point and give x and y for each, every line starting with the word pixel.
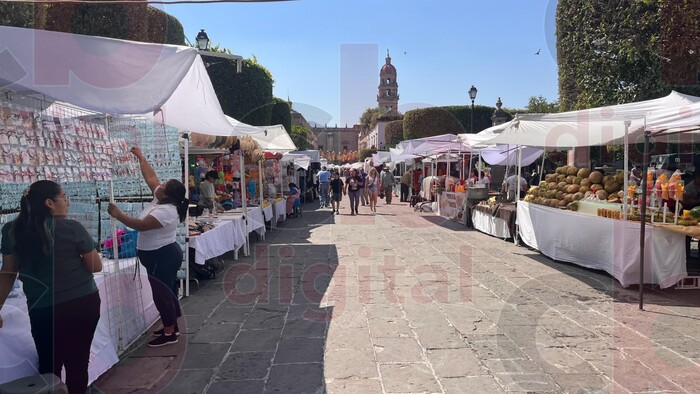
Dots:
pixel 225 234
pixel 497 219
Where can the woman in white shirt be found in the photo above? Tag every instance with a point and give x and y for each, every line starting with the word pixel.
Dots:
pixel 157 249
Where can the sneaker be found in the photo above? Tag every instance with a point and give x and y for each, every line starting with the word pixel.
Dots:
pixel 337 212
pixel 160 332
pixel 163 340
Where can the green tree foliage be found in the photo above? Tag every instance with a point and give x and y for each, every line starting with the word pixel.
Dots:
pixel 299 134
pixel 680 42
pixel 369 118
pixel 608 52
pixel 137 22
pixel 246 96
pixel 393 133
pixel 482 116
pixel 281 114
pixel 540 105
pixel 365 153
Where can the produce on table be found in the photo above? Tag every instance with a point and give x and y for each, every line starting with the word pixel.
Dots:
pixel 569 184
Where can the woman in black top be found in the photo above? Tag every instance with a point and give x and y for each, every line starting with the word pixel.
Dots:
pixel 352 185
pixel 55 258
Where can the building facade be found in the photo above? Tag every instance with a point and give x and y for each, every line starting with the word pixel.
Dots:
pixel 336 139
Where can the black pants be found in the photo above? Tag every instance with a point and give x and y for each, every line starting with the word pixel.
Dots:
pixel 404 193
pixel 63 335
pixel 162 266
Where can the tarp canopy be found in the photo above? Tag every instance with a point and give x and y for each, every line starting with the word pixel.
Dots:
pixel 590 127
pixel 113 76
pixel 505 155
pixel 314 155
pixel 393 156
pixel 299 160
pixel 681 123
pixel 433 145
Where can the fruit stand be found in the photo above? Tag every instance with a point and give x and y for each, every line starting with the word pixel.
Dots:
pixel 578 216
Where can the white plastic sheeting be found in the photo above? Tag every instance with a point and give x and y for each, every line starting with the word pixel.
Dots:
pixel 113 76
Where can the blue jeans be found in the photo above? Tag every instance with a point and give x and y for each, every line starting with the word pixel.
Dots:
pixel 354 199
pixel 324 194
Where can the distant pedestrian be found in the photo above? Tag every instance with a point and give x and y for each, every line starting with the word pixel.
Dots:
pixel 387 182
pixel 324 178
pixel 405 184
pixel 373 189
pixel 336 186
pixel 364 194
pixel 352 187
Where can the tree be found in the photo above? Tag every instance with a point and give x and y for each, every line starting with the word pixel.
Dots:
pixel 393 133
pixel 281 114
pixel 246 96
pixel 540 105
pixel 608 52
pixel 369 118
pixel 365 153
pixel 299 136
pixel 427 122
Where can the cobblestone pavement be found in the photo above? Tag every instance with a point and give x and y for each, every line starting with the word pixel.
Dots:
pixel 404 302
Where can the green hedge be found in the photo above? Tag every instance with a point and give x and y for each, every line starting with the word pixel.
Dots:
pixel 137 22
pixel 281 114
pixel 608 52
pixel 365 153
pixel 482 116
pixel 246 96
pixel 393 133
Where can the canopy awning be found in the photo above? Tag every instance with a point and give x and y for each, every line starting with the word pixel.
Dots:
pixel 111 76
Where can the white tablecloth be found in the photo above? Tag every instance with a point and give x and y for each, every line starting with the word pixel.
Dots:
pixel 256 220
pixel 134 307
pixel 490 224
pixel 605 244
pixel 267 212
pixel 227 236
pixel 280 209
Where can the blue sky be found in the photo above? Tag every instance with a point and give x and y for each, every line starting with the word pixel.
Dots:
pixel 325 55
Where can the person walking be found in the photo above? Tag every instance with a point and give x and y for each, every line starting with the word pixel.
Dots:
pixel 336 186
pixel 510 186
pixel 364 194
pixel 55 258
pixel 373 189
pixel 352 187
pixel 387 181
pixel 156 247
pixel 324 178
pixel 405 184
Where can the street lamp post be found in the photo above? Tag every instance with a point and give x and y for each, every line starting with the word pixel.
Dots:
pixel 204 46
pixel 472 95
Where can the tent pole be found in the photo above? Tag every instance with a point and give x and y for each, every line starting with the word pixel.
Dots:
pixel 260 176
pixel 517 195
pixel 244 203
pixel 625 184
pixel 447 171
pixel 642 221
pixel 541 171
pixel 480 168
pixel 186 136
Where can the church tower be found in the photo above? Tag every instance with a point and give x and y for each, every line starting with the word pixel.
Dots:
pixel 388 95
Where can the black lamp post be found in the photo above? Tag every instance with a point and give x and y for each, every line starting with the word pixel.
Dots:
pixel 472 95
pixel 202 40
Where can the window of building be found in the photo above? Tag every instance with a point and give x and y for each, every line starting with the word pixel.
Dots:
pixel 388 81
pixel 388 93
pixel 345 148
pixel 320 147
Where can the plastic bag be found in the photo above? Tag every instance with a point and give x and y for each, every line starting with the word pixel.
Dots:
pixel 126 242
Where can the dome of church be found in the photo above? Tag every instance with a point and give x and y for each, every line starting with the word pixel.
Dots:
pixel 388 69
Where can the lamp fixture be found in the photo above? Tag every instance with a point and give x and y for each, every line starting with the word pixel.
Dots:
pixel 202 40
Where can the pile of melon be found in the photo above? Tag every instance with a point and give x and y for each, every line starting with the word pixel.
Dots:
pixel 569 184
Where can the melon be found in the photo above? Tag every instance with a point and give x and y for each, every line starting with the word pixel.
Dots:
pixel 571 170
pixel 596 187
pixel 578 196
pixel 577 180
pixel 562 185
pixel 533 190
pixel 585 182
pixel 563 204
pixel 542 184
pixel 560 170
pixel 583 189
pixel 596 177
pixel 572 188
pixel 584 172
pixel 560 195
pixel 608 178
pixel 561 178
pixel 570 179
pixel 569 198
pixel 695 213
pixel 550 177
pixel 612 187
pixel 601 195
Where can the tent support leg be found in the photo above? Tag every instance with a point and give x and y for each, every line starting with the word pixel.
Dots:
pixel 643 213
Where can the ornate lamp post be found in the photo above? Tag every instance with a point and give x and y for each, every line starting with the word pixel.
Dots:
pixel 472 96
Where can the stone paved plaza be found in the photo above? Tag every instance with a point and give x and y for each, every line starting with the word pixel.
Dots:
pixel 404 302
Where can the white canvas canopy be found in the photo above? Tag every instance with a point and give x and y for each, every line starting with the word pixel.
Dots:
pixel 433 145
pixel 683 122
pixel 271 138
pixel 589 127
pixel 299 160
pixel 113 76
pixel 314 155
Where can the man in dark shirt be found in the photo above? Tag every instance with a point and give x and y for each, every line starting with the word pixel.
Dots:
pixel 336 186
